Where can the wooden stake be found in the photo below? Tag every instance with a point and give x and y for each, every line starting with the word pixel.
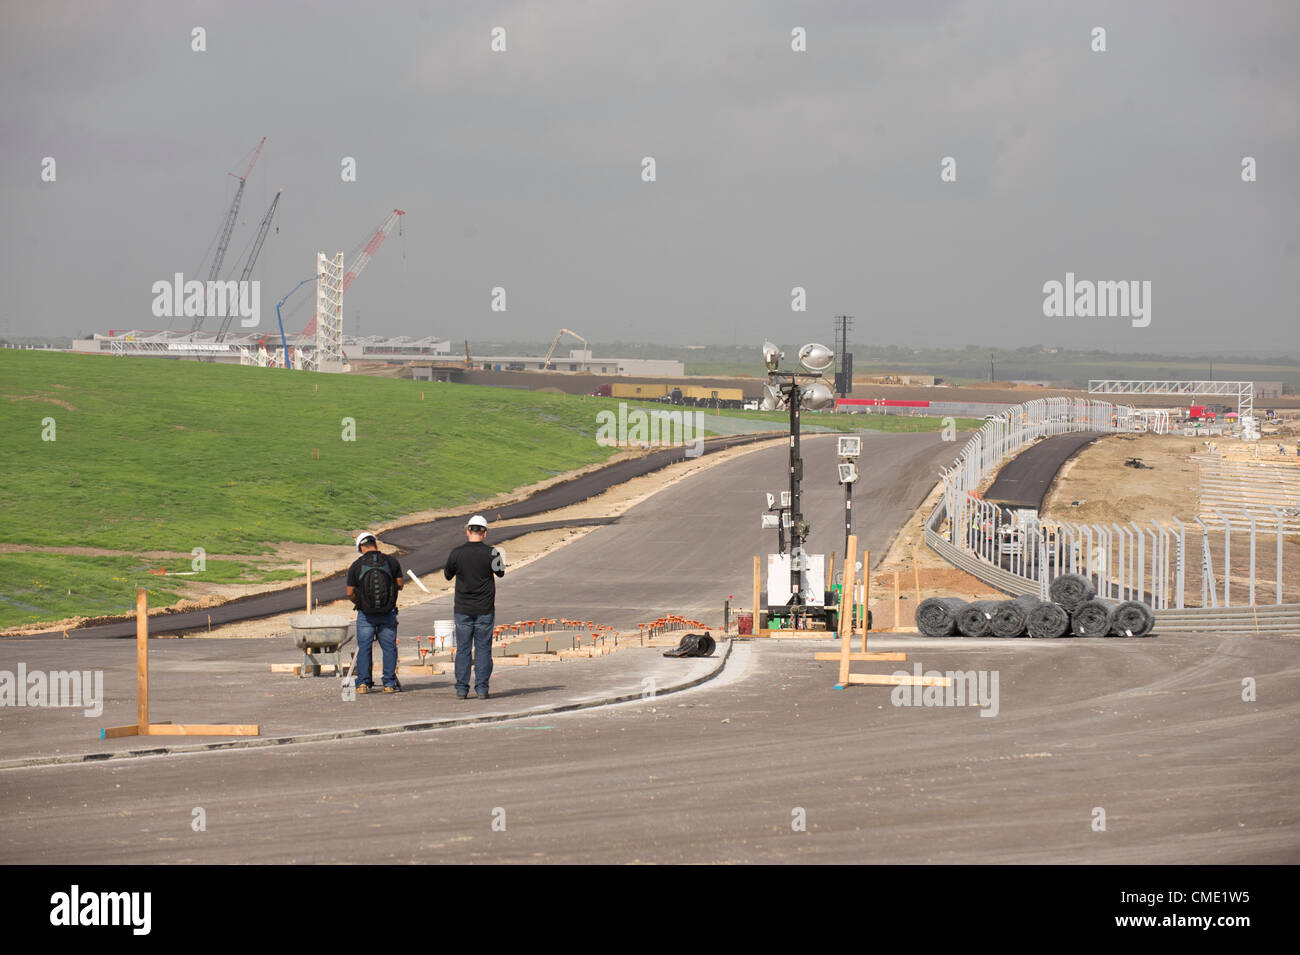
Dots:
pixel 142 658
pixel 142 726
pixel 309 585
pixel 916 573
pixel 897 624
pixel 846 619
pixel 866 596
pixel 757 580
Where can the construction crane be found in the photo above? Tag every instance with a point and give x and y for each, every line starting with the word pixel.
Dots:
pixel 563 331
pixel 228 227
pixel 360 262
pixel 252 258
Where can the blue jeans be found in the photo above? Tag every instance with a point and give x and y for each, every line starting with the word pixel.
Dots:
pixel 473 632
pixel 383 626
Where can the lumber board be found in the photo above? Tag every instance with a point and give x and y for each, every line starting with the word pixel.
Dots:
pixel 202 729
pixel 860 657
pixel 116 732
pixel 890 679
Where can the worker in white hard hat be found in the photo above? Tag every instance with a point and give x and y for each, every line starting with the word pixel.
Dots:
pixel 474 565
pixel 373 582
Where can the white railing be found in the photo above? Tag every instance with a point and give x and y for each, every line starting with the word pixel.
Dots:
pixel 1149 562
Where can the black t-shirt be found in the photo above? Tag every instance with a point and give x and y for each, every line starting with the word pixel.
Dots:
pixel 471 565
pixel 357 568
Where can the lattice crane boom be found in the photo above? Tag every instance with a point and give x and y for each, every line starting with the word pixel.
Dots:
pixel 262 230
pixel 228 227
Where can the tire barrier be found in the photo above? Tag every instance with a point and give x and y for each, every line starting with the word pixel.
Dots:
pixel 937 616
pixel 1071 590
pixel 973 619
pixel 1092 617
pixel 1132 619
pixel 1048 621
pixel 1011 616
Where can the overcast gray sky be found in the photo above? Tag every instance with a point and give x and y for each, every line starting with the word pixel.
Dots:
pixel 775 168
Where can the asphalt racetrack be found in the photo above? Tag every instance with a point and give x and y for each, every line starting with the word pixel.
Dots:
pixel 1151 736
pixel 1024 480
pixel 425 546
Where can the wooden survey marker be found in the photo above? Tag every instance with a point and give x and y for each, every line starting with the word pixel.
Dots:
pixel 142 726
pixel 847 656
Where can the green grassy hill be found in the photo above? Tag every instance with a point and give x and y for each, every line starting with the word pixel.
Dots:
pixel 160 455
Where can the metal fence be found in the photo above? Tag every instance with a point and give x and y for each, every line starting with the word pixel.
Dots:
pixel 1166 563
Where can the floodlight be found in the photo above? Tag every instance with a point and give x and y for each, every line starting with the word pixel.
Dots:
pixel 770 520
pixel 785 498
pixel 785 518
pixel 771 500
pixel 771 356
pixel 816 357
pixel 773 400
pixel 848 472
pixel 817 396
pixel 848 446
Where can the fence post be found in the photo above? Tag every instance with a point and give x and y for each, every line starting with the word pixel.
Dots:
pixel 1227 558
pixel 1180 563
pixel 1251 517
pixel 1278 515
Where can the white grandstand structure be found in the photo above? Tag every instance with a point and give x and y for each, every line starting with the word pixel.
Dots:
pixel 265 350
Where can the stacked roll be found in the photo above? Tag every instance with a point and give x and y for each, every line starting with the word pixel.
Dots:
pixel 1011 616
pixel 1092 617
pixel 973 619
pixel 1048 621
pixel 1132 619
pixel 937 616
pixel 1071 590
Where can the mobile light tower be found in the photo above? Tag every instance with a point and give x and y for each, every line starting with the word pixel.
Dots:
pixel 848 447
pixel 784 386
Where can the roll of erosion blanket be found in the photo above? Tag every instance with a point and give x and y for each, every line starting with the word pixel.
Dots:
pixel 973 619
pixel 1070 590
pixel 1092 617
pixel 937 616
pixel 1132 619
pixel 1048 620
pixel 693 645
pixel 1010 617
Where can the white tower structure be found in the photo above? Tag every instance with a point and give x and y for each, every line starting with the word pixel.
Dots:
pixel 329 314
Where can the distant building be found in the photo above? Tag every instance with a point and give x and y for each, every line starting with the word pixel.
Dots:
pixel 1268 389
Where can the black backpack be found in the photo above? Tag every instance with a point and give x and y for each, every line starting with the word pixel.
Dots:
pixel 376 589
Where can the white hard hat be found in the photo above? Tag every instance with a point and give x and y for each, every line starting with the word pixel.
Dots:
pixel 366 535
pixel 478 520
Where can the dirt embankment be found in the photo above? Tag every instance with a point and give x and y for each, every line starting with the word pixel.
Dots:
pixel 1096 487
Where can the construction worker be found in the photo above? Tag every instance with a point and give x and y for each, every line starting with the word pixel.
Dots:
pixel 373 582
pixel 473 565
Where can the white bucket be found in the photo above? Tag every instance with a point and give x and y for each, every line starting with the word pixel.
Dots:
pixel 444 633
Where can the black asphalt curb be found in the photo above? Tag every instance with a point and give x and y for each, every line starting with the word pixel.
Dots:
pixel 258 742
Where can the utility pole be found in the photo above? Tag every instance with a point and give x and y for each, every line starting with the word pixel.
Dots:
pixel 844 378
pixel 991 368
